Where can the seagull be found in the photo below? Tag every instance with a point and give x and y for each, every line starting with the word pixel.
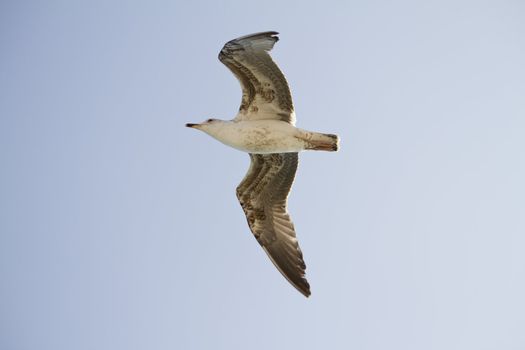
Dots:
pixel 265 128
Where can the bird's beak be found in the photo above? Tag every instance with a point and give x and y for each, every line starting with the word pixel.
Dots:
pixel 190 125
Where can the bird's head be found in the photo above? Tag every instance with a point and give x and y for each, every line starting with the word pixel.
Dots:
pixel 205 125
pixel 212 127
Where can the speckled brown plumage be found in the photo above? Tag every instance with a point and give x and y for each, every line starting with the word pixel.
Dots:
pixel 264 87
pixel 263 193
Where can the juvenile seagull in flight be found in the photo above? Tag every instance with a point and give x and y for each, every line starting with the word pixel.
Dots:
pixel 265 128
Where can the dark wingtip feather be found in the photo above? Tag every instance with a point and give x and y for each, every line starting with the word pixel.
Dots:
pixel 271 34
pixel 305 290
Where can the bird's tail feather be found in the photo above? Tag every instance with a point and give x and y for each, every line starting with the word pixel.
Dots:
pixel 322 142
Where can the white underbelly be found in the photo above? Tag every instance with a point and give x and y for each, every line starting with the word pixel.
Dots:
pixel 263 136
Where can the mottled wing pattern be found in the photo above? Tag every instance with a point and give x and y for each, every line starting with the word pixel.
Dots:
pixel 263 193
pixel 265 92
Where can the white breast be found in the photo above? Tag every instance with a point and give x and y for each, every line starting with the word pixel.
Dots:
pixel 260 136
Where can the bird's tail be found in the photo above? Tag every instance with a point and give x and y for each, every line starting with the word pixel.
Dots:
pixel 322 142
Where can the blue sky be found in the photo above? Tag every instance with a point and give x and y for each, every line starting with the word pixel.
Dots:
pixel 120 229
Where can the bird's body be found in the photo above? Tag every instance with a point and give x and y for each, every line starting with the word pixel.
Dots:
pixel 265 136
pixel 265 128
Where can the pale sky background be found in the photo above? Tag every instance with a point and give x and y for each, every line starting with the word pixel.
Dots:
pixel 120 228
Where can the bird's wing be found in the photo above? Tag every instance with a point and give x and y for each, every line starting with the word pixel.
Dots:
pixel 265 92
pixel 263 193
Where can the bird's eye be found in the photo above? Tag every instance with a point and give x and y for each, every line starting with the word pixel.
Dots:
pixel 210 120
